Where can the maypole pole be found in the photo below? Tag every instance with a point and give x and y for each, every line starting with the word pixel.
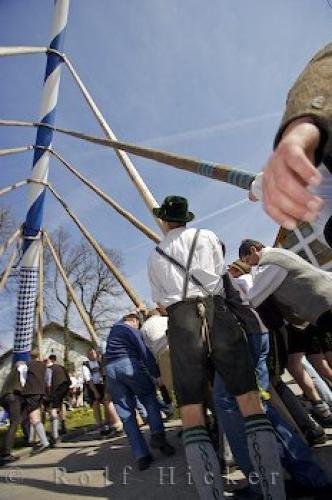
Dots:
pixel 32 228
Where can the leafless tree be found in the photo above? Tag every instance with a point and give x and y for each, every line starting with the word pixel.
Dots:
pixel 7 223
pixel 7 228
pixel 94 284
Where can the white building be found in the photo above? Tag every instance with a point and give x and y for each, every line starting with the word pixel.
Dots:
pixel 54 343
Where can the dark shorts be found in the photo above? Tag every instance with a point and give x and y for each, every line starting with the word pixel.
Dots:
pixel 311 340
pixel 91 397
pixel 33 402
pixel 189 356
pixel 58 396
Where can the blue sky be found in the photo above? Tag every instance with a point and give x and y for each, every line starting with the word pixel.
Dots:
pixel 204 79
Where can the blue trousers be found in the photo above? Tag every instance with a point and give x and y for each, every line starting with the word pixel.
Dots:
pixel 126 380
pixel 259 347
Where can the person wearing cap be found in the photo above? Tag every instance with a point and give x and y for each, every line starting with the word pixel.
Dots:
pixel 301 289
pixel 131 372
pixel 186 273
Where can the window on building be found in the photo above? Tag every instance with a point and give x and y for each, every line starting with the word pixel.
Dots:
pixel 290 240
pixel 305 229
pixel 304 255
pixel 322 253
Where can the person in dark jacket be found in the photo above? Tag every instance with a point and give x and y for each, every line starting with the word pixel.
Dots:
pixel 34 393
pixel 57 387
pixel 13 402
pixel 131 371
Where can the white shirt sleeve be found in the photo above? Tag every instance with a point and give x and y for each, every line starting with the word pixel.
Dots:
pixel 86 374
pixel 218 256
pixel 267 280
pixel 48 377
pixel 244 283
pixel 23 371
pixel 157 291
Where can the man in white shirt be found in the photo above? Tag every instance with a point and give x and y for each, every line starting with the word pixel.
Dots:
pixel 301 289
pixel 186 276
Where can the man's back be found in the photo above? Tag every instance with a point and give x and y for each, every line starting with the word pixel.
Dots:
pixel 154 333
pixel 207 265
pixel 305 288
pixel 59 377
pixel 35 383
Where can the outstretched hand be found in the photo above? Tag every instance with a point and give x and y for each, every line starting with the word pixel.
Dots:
pixel 289 173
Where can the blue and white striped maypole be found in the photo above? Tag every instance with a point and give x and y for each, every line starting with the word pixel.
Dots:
pixel 31 245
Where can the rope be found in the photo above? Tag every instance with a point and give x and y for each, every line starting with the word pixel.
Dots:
pixel 5 274
pixel 140 185
pixel 10 240
pixel 217 171
pixel 104 257
pixel 80 309
pixel 10 188
pixel 131 218
pixel 11 151
pixel 21 50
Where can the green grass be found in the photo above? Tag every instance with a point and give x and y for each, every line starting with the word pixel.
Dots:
pixel 78 417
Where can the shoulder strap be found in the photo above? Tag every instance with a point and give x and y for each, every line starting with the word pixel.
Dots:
pixel 182 268
pixel 189 261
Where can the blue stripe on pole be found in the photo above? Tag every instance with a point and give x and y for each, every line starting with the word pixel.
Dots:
pixel 205 169
pixel 34 216
pixel 52 63
pixel 44 136
pixel 29 273
pixel 58 41
pixel 240 179
pixel 53 60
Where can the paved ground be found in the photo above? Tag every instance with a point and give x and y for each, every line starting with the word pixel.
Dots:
pixel 92 468
pixel 87 467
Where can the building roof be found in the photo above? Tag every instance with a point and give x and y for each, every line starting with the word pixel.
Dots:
pixel 53 325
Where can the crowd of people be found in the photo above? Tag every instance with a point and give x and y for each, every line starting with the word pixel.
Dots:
pixel 221 337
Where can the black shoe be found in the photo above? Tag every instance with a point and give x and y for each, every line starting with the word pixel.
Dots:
pixel 247 493
pixel 315 436
pixel 144 463
pixel 324 493
pixel 158 441
pixel 39 449
pixel 322 414
pixel 295 490
pixel 7 459
pixel 54 442
pixel 106 431
pixel 63 428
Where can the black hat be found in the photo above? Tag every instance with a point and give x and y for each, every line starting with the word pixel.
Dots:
pixel 174 209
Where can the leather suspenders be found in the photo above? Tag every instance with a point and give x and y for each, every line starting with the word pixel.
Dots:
pixel 186 269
